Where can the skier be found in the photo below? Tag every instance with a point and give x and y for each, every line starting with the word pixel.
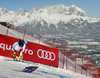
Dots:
pixel 19 47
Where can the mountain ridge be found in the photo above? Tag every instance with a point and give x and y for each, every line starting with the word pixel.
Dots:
pixel 54 20
pixel 50 11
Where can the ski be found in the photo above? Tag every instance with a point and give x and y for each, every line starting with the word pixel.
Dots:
pixel 18 59
pixel 8 50
pixel 15 60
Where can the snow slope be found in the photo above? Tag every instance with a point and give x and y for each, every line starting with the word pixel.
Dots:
pixel 12 69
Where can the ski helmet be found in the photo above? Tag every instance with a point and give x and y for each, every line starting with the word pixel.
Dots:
pixel 21 43
pixel 26 42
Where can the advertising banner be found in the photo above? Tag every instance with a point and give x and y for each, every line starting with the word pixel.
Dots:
pixel 34 52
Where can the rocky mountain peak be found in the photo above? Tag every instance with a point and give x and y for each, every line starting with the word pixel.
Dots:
pixel 76 10
pixel 20 11
pixel 3 10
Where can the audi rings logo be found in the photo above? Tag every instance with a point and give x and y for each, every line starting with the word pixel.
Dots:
pixel 46 55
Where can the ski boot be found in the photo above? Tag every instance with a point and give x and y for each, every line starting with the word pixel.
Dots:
pixel 19 58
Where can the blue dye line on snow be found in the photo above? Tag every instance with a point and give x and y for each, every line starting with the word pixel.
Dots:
pixel 53 74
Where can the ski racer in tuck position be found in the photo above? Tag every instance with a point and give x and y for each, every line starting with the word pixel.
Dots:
pixel 18 48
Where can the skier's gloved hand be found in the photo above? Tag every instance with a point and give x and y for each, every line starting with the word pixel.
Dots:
pixel 14 54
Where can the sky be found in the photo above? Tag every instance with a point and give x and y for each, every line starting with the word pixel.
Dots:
pixel 91 7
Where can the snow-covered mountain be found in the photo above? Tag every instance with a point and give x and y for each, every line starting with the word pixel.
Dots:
pixel 55 20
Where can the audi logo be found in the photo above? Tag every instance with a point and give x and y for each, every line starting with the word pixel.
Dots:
pixel 46 54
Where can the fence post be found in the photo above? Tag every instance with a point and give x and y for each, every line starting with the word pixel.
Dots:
pixel 53 42
pixel 24 33
pixel 75 61
pixel 67 57
pixel 87 66
pixel 82 64
pixel 64 56
pixel 90 68
pixel 94 70
pixel 57 44
pixel 39 39
pixel 98 72
pixel 7 30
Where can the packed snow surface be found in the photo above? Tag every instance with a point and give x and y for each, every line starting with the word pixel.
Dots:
pixel 14 69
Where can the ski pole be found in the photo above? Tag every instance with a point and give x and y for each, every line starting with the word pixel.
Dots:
pixel 8 50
